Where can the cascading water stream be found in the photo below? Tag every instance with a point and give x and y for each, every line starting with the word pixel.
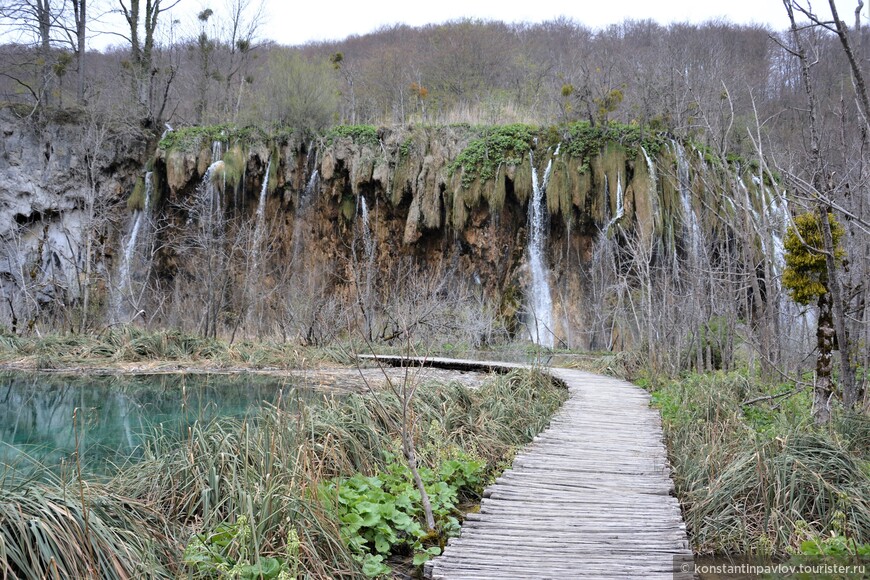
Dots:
pixel 368 241
pixel 140 217
pixel 304 201
pixel 260 226
pixel 691 228
pixel 776 216
pixel 209 195
pixel 366 276
pixel 309 187
pixel 541 301
pixel 653 186
pixel 168 129
pixel 620 205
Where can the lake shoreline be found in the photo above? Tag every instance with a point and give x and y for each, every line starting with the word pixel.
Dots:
pixel 328 375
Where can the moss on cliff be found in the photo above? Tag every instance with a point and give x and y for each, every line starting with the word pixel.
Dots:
pixel 359 134
pixel 193 138
pixel 482 157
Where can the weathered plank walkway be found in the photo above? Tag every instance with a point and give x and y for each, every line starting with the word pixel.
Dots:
pixel 588 498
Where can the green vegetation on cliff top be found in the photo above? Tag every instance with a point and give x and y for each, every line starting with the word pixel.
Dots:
pixel 194 137
pixel 191 138
pixel 508 144
pixel 359 134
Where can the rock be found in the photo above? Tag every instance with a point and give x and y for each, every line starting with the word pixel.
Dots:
pixel 45 191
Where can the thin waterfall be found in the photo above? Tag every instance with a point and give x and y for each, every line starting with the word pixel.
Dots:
pixel 209 194
pixel 367 265
pixel 260 227
pixel 691 228
pixel 208 212
pixel 651 170
pixel 253 279
pixel 620 205
pixel 541 301
pixel 655 212
pixel 312 183
pixel 302 204
pixel 140 217
pixel 368 241
pixel 777 219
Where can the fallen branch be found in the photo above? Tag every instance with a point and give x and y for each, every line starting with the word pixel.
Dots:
pixel 773 397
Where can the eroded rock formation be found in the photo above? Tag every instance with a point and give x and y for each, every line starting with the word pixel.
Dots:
pixel 448 210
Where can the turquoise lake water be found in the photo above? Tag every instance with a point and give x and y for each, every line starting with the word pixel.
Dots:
pixel 114 415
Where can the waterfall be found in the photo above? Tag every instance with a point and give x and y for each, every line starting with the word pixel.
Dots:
pixel 216 164
pixel 778 220
pixel 140 216
pixel 651 169
pixel 167 131
pixel 655 211
pixel 776 215
pixel 209 195
pixel 301 205
pixel 541 302
pixel 691 228
pixel 620 204
pixel 368 241
pixel 365 278
pixel 312 183
pixel 260 227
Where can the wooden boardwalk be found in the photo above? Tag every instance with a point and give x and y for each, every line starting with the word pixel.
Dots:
pixel 590 497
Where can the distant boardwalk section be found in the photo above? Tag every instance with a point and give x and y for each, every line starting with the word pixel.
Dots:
pixel 590 497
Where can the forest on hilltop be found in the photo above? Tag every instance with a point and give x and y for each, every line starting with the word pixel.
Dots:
pixel 710 80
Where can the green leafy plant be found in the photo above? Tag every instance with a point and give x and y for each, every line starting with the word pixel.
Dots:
pixel 193 138
pixel 359 134
pixel 382 514
pixel 225 552
pixel 584 140
pixel 406 147
pixel 834 545
pixel 499 145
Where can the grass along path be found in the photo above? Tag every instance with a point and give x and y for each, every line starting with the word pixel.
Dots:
pixel 761 479
pixel 250 498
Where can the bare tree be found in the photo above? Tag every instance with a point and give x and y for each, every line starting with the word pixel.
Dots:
pixel 820 187
pixel 239 37
pixel 81 20
pixel 35 21
pixel 142 21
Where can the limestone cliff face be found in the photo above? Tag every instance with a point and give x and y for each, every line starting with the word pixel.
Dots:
pixel 363 224
pixel 58 183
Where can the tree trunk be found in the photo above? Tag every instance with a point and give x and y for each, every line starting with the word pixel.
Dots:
pixel 854 64
pixel 823 391
pixel 847 373
pixel 43 18
pixel 411 458
pixel 81 24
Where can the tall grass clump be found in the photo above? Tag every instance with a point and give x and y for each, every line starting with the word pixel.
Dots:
pixel 760 478
pixel 58 530
pixel 249 497
pixel 123 344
